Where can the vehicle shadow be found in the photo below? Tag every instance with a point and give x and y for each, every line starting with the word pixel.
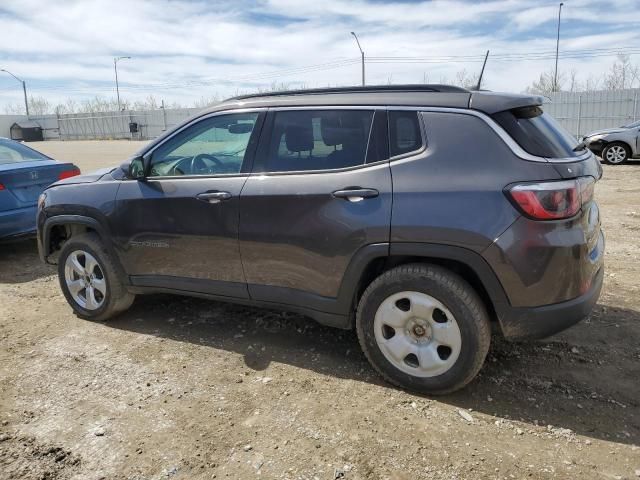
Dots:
pixel 585 381
pixel 19 262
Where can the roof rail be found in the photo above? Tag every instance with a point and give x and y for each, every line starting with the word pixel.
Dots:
pixel 366 89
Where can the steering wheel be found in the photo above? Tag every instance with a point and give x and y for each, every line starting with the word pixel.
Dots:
pixel 197 162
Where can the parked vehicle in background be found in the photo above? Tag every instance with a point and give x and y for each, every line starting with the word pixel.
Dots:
pixel 24 174
pixel 360 207
pixel 615 145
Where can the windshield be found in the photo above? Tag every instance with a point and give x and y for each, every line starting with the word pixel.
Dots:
pixel 632 125
pixel 14 152
pixel 538 133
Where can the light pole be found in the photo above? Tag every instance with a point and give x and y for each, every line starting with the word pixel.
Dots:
pixel 555 75
pixel 24 89
pixel 115 68
pixel 361 53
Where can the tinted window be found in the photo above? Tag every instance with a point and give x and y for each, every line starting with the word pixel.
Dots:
pixel 216 145
pixel 14 152
pixel 404 132
pixel 379 138
pixel 318 140
pixel 537 132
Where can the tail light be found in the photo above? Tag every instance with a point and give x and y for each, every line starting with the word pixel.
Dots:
pixel 1 186
pixel 553 200
pixel 69 173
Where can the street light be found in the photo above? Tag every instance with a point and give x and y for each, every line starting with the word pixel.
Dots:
pixel 555 75
pixel 361 53
pixel 24 89
pixel 115 68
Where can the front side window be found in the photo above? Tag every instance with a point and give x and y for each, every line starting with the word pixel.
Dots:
pixel 404 132
pixel 213 146
pixel 318 140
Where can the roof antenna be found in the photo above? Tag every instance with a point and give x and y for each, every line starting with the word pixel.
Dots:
pixel 482 71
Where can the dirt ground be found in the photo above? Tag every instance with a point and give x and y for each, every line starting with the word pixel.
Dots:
pixel 189 389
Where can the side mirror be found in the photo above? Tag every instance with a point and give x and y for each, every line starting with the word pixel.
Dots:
pixel 134 168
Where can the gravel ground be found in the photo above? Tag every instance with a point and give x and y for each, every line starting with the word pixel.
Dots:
pixel 184 388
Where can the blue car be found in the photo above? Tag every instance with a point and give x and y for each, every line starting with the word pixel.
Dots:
pixel 24 174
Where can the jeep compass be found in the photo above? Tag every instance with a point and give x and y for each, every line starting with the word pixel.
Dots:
pixel 422 216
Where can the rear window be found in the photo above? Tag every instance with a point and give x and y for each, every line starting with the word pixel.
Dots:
pixel 14 152
pixel 537 132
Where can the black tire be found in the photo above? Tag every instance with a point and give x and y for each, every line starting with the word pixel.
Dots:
pixel 457 296
pixel 116 300
pixel 609 146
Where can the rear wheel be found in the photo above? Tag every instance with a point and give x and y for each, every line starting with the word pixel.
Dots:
pixel 616 153
pixel 89 279
pixel 423 328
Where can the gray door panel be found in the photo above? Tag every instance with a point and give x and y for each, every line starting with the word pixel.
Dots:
pixel 295 234
pixel 167 227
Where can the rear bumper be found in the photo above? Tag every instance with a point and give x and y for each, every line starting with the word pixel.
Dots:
pixel 520 323
pixel 17 223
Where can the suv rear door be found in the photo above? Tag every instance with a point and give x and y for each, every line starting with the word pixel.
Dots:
pixel 319 192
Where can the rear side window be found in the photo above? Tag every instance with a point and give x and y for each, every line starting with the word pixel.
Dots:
pixel 537 132
pixel 318 140
pixel 404 132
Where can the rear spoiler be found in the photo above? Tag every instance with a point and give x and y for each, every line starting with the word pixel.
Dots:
pixel 492 102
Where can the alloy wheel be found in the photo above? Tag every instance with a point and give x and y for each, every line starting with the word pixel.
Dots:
pixel 616 154
pixel 85 280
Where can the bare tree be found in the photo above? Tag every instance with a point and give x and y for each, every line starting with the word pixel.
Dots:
pixel 14 109
pixel 545 84
pixel 149 103
pixel 204 102
pixel 465 79
pixel 622 74
pixel 39 106
pixel 574 83
pixel 591 83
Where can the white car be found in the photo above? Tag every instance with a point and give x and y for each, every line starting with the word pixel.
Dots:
pixel 615 145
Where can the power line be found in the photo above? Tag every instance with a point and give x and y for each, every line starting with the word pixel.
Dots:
pixel 204 81
pixel 343 62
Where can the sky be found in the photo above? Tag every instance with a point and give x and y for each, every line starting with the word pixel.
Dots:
pixel 184 50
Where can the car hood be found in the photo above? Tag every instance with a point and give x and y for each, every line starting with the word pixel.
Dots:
pixel 84 178
pixel 606 131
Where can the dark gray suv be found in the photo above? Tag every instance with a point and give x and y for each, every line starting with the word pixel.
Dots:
pixel 418 215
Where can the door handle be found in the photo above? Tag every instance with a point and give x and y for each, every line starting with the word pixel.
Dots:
pixel 213 197
pixel 356 194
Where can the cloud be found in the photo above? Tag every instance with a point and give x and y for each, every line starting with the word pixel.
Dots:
pixel 185 49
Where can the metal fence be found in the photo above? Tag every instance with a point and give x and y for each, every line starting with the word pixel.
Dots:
pixel 116 125
pixel 579 113
pixel 103 125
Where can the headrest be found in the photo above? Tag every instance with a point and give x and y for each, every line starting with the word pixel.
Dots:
pixel 299 138
pixel 341 128
pixel 331 130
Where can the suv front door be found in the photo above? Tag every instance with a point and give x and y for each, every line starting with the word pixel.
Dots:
pixel 178 226
pixel 320 191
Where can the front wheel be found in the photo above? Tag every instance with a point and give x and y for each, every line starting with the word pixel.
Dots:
pixel 423 328
pixel 616 153
pixel 89 280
